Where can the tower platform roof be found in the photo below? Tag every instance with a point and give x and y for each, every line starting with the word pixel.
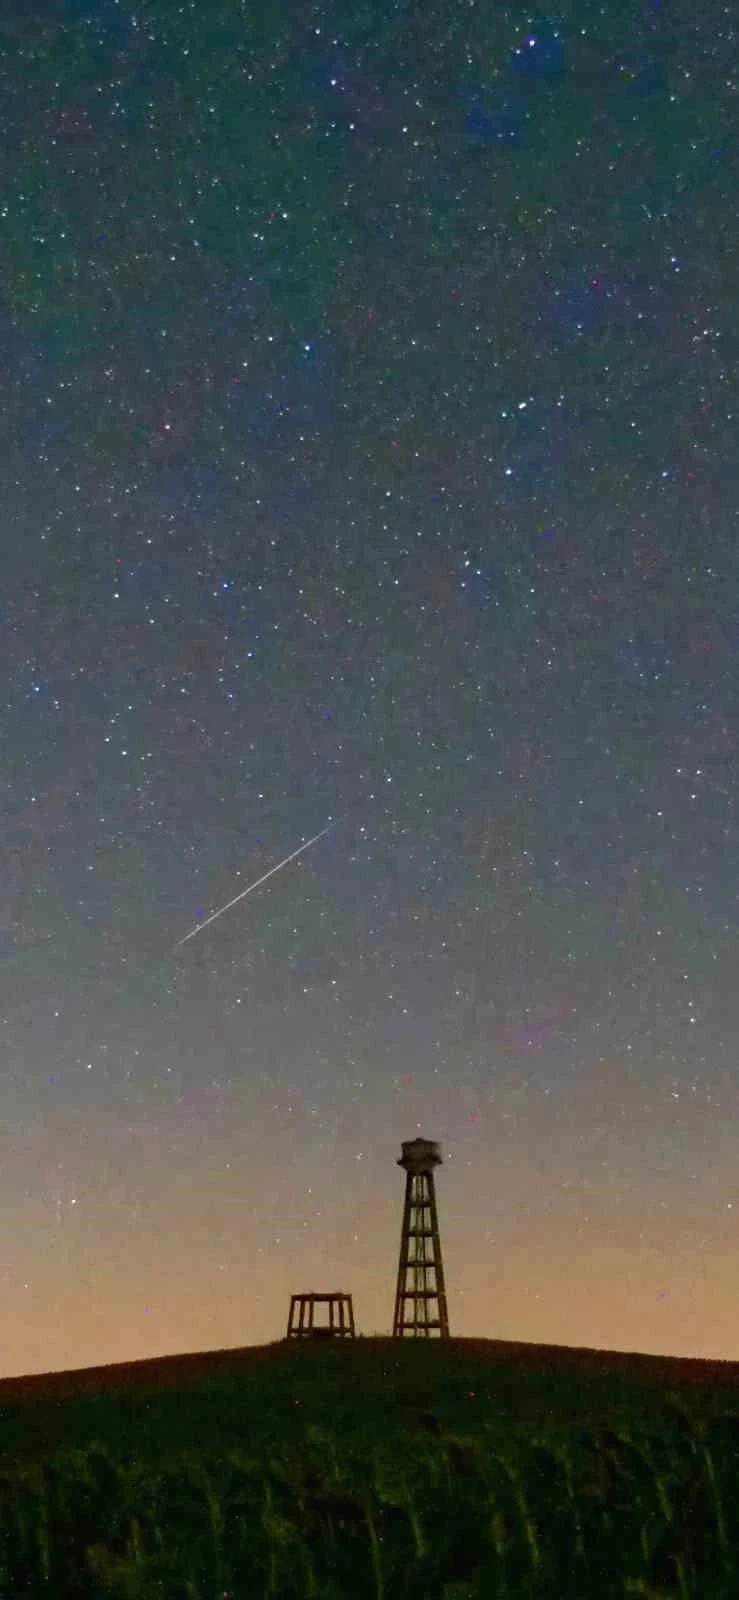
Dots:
pixel 420 1155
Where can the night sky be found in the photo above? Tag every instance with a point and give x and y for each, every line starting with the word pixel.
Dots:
pixel 368 455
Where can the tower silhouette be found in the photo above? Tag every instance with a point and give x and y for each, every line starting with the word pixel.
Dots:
pixel 420 1297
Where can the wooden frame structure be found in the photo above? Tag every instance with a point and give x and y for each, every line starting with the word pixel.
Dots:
pixel 301 1322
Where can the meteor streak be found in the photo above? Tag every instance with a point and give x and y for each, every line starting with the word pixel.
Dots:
pixel 252 886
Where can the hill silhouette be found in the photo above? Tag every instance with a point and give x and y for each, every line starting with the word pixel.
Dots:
pixel 166 1372
pixel 377 1468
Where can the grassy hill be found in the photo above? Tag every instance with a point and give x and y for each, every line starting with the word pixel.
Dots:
pixel 374 1468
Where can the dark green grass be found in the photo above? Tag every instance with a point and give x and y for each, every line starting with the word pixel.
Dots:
pixel 375 1470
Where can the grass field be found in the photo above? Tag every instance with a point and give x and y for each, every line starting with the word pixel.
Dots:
pixel 374 1470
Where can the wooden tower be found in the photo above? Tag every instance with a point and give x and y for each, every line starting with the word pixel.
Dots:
pixel 301 1321
pixel 420 1297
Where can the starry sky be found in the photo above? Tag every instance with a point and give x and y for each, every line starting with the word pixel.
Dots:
pixel 369 456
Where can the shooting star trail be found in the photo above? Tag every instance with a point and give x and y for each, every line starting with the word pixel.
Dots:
pixel 253 886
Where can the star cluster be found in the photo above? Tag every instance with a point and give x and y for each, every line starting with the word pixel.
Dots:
pixel 369 435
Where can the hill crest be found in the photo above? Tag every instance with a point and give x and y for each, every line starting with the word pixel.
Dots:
pixel 168 1372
